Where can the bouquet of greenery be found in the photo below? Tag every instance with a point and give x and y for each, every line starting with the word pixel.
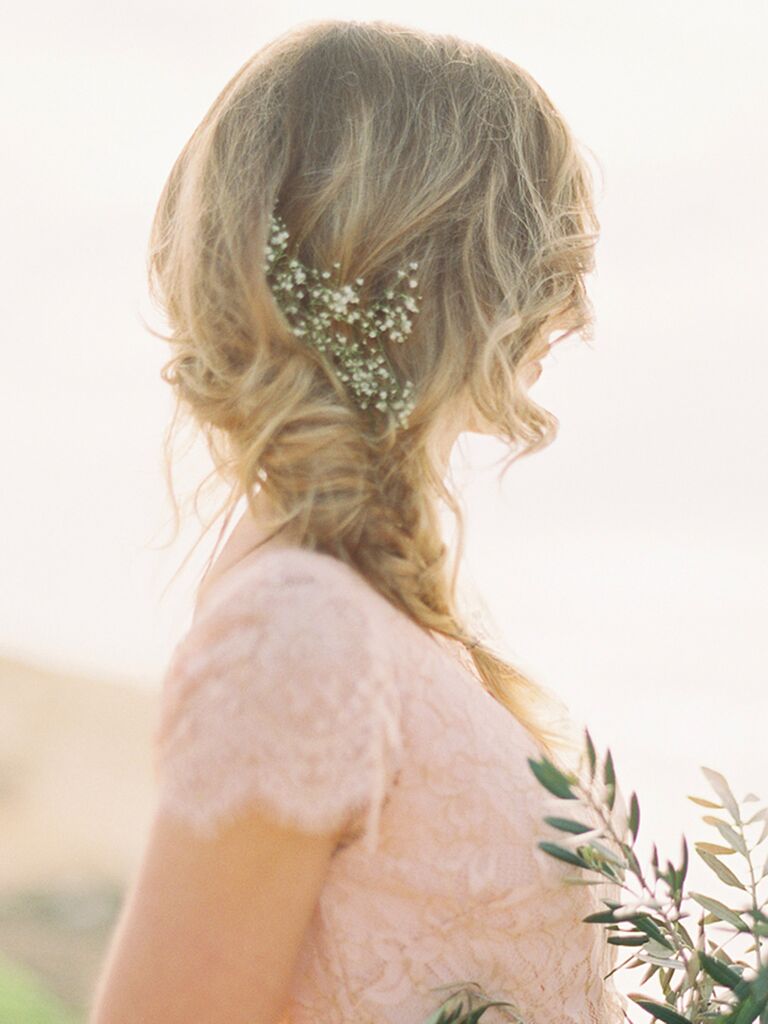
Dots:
pixel 699 981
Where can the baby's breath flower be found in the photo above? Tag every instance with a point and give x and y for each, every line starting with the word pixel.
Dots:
pixel 363 367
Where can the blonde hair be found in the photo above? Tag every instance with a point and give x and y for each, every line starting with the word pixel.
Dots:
pixel 381 144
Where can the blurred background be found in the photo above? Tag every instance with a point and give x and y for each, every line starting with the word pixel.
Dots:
pixel 624 567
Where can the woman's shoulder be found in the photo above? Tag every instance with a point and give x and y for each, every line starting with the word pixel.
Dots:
pixel 293 585
pixel 282 688
pixel 278 567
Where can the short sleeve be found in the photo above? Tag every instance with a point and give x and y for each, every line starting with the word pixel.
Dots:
pixel 282 697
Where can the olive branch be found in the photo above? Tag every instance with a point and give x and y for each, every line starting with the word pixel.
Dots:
pixel 699 980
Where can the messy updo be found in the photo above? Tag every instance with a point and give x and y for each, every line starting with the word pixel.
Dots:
pixel 380 144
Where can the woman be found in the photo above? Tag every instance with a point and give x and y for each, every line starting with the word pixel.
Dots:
pixel 346 818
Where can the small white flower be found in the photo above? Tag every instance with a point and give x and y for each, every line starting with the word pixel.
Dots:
pixel 364 368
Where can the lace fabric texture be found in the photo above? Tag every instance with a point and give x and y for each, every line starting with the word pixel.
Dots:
pixel 299 689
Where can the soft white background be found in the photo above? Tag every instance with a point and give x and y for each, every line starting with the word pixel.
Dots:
pixel 625 566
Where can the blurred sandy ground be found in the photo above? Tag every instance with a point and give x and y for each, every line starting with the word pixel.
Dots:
pixel 76 793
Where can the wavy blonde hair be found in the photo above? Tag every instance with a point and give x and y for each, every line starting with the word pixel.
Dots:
pixel 381 144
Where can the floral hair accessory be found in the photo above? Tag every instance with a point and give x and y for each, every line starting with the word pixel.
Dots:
pixel 362 364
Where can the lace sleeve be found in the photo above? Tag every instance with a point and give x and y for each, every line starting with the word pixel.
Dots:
pixel 281 697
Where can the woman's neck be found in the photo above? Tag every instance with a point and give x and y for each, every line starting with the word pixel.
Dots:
pixel 249 537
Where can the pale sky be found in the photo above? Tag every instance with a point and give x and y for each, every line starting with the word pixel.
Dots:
pixel 625 566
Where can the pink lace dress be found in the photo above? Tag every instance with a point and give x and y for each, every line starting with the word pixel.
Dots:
pixel 299 689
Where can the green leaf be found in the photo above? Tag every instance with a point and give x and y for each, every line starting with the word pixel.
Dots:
pixel 609 778
pixel 609 773
pixel 649 973
pixel 660 952
pixel 447 1014
pixel 758 815
pixel 749 1010
pixel 627 939
pixel 670 874
pixel 714 848
pixel 453 1011
pixel 634 863
pixel 722 974
pixel 653 953
pixel 475 1015
pixel 720 910
pixel 723 873
pixel 609 872
pixel 644 923
pixel 443 1015
pixel 601 917
pixel 567 825
pixel 552 778
pixel 727 832
pixel 661 1011
pixel 634 816
pixel 681 928
pixel 705 803
pixel 683 870
pixel 562 854
pixel 606 853
pixel 720 785
pixel 590 754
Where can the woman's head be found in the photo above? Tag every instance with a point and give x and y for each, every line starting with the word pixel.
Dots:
pixel 379 145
